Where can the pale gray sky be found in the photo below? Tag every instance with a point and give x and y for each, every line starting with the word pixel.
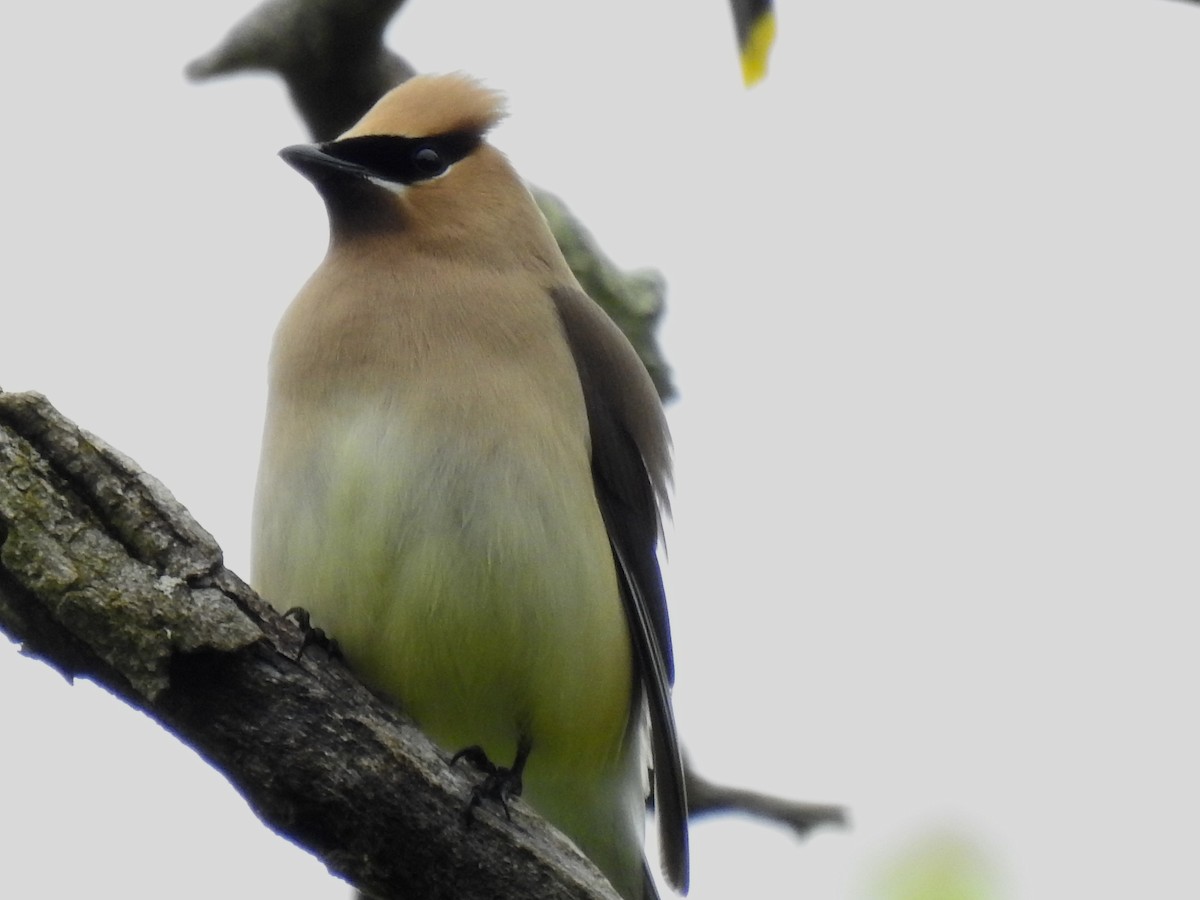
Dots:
pixel 934 292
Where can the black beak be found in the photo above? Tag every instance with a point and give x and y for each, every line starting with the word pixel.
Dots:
pixel 316 164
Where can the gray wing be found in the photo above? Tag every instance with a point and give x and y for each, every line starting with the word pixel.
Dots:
pixel 631 470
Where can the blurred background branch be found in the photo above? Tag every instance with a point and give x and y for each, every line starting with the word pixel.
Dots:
pixel 332 58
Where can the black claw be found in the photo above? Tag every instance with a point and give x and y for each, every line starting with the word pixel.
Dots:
pixel 312 636
pixel 476 756
pixel 499 785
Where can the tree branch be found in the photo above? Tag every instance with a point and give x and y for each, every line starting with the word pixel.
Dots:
pixel 706 797
pixel 104 575
pixel 330 53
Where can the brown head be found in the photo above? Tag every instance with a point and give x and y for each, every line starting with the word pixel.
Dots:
pixel 418 165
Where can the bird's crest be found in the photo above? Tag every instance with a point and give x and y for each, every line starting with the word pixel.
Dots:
pixel 428 105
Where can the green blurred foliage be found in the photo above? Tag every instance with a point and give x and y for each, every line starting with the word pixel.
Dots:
pixel 946 865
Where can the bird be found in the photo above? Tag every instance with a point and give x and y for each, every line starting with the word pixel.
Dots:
pixel 464 473
pixel 754 23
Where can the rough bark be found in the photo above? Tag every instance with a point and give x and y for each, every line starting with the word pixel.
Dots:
pixel 103 575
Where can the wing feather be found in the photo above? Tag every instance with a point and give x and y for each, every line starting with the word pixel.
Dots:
pixel 631 472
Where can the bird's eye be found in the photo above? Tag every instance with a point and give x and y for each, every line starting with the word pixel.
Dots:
pixel 429 162
pixel 401 160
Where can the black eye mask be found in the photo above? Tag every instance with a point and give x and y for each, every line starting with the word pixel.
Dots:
pixel 403 160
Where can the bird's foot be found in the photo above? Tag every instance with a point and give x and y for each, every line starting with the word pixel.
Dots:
pixel 312 636
pixel 500 783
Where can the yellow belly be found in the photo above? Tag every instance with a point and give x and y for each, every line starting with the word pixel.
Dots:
pixel 484 600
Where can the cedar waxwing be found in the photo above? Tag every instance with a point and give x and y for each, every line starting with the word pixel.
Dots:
pixel 462 473
pixel 754 22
